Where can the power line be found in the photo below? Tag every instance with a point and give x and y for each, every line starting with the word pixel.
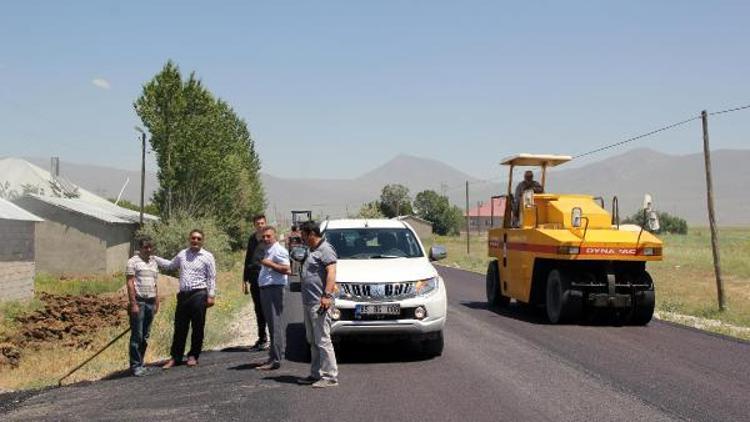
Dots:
pixel 729 110
pixel 662 129
pixel 635 138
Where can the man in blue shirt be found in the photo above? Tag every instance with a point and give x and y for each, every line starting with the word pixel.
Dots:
pixel 272 281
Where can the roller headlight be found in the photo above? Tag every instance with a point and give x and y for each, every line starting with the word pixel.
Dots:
pixel 427 286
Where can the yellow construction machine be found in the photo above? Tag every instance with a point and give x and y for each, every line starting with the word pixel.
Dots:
pixel 567 252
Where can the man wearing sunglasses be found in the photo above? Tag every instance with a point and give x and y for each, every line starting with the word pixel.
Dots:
pixel 197 269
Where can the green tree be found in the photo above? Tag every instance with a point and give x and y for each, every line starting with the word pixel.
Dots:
pixel 667 223
pixel 445 219
pixel 395 201
pixel 370 210
pixel 207 162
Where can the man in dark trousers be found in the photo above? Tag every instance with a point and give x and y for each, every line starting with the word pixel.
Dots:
pixel 256 250
pixel 197 269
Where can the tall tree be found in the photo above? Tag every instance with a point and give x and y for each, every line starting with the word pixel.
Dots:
pixel 395 201
pixel 207 161
pixel 446 219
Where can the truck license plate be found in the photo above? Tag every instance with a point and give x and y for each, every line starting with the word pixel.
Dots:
pixel 394 309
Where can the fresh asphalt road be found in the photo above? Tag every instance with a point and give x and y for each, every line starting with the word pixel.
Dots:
pixel 497 365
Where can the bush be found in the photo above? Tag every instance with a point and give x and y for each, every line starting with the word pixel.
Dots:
pixel 667 223
pixel 171 236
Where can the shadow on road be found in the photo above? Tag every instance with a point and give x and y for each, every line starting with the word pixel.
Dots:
pixel 352 351
pixel 236 349
pixel 526 313
pixel 284 379
pixel 536 315
pixel 297 349
pixel 245 366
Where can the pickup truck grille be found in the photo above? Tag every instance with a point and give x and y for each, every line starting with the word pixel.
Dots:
pixel 373 292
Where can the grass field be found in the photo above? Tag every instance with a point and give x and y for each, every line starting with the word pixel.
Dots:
pixel 44 367
pixel 685 282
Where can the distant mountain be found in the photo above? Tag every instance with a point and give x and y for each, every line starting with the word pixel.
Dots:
pixel 676 182
pixel 341 197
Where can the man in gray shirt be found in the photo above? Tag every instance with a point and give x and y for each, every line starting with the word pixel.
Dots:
pixel 318 285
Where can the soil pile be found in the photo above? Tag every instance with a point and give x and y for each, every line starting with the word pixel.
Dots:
pixel 68 321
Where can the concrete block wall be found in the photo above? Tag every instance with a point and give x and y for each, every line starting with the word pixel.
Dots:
pixel 16 240
pixel 16 280
pixel 16 259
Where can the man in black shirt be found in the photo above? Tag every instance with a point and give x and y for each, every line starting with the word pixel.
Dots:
pixel 255 251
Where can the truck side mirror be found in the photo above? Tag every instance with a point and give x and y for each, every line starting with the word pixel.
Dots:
pixel 437 253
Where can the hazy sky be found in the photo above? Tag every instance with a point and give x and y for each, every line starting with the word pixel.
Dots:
pixel 335 88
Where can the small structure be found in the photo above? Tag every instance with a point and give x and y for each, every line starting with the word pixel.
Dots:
pixel 17 267
pixel 420 225
pixel 81 237
pixel 487 215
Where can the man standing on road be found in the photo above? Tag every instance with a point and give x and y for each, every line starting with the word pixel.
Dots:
pixel 318 284
pixel 141 273
pixel 197 269
pixel 255 251
pixel 272 281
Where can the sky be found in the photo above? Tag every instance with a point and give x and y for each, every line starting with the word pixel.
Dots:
pixel 335 88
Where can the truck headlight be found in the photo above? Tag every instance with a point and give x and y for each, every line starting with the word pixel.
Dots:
pixel 426 286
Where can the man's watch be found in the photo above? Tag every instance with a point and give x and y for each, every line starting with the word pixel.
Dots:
pixel 328 295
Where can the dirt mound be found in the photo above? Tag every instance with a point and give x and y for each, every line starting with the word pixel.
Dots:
pixel 68 321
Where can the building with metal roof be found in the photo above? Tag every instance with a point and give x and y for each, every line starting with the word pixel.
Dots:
pixel 17 263
pixel 19 177
pixel 81 237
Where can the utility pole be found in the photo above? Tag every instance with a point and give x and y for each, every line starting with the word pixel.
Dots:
pixel 712 214
pixel 467 219
pixel 479 218
pixel 143 169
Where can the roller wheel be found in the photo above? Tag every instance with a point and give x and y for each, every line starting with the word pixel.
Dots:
pixel 494 297
pixel 645 300
pixel 561 305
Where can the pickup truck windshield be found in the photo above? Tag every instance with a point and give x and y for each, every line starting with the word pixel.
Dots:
pixel 372 243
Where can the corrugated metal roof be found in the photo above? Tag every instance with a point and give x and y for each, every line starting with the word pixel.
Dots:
pixel 107 212
pixel 18 173
pixel 11 211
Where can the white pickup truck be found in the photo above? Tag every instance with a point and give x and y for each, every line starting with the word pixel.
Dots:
pixel 386 283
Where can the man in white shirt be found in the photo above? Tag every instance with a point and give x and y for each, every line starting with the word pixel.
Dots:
pixel 141 273
pixel 197 291
pixel 272 281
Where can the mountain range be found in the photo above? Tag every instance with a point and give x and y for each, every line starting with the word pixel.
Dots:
pixel 676 182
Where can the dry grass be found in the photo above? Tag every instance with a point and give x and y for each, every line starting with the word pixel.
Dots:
pixel 685 282
pixel 44 367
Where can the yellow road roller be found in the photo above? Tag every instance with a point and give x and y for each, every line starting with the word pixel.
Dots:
pixel 567 252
